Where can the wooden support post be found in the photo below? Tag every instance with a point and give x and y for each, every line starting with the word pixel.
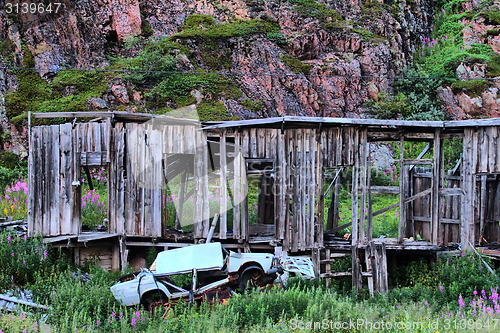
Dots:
pixel 369 266
pixel 115 258
pixel 328 267
pixel 369 227
pixel 401 224
pixel 363 152
pixel 356 269
pixel 355 182
pixel 467 199
pixel 223 187
pixel 123 253
pixel 180 208
pixel 76 256
pixel 316 259
pixel 482 208
pixel 435 186
pixel 382 280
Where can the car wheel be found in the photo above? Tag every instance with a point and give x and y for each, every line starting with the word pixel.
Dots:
pixel 153 299
pixel 250 279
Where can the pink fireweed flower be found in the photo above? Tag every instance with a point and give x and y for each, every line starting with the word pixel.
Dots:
pixel 133 322
pixel 7 197
pixel 475 292
pixel 441 288
pixel 12 254
pixel 98 322
pixel 24 262
pixel 36 251
pixel 461 301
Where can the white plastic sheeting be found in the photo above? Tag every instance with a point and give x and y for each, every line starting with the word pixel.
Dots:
pixel 185 259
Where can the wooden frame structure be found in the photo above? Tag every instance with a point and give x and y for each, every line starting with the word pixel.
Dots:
pixel 291 155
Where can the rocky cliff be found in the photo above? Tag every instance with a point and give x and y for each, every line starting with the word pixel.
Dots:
pixel 295 57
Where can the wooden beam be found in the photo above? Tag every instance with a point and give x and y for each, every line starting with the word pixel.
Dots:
pixel 436 168
pixel 402 189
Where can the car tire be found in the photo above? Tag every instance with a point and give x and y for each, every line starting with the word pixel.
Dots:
pixel 151 299
pixel 249 279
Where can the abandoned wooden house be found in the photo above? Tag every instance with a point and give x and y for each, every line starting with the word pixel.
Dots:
pixel 298 167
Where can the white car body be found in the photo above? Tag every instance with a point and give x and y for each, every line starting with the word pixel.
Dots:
pixel 209 259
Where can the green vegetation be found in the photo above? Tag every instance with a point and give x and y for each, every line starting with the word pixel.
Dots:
pixel 236 28
pixel 195 21
pixel 77 301
pixel 251 105
pixel 31 91
pixel 473 88
pixel 213 110
pixel 178 87
pixel 295 64
pixel 36 95
pixel 311 8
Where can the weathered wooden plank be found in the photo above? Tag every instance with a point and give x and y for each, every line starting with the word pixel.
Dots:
pixel 435 186
pixel 237 184
pixel 66 179
pixel 369 227
pixel 32 148
pixel 355 221
pixel 402 191
pixel 261 142
pixel 119 186
pixel 466 211
pixel 283 189
pixel 483 154
pixel 130 187
pixel 252 148
pixel 363 155
pixel 492 150
pixel 244 204
pixel 77 190
pixel 310 232
pixel 223 187
pixel 206 167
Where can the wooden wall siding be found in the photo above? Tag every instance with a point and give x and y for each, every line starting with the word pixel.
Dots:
pixel 300 156
pixel 488 225
pixel 54 205
pixel 486 147
pixel 116 181
pixel 146 146
pixel 449 210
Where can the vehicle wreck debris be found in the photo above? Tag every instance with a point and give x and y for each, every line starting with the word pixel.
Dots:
pixel 214 273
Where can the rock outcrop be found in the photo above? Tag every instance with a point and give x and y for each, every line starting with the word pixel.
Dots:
pixel 349 51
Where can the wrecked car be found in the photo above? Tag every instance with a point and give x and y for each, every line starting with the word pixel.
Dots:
pixel 207 270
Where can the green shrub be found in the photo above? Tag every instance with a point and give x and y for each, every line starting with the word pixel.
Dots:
pixel 9 176
pixel 31 90
pixel 295 64
pixel 311 8
pixel 195 21
pixel 20 258
pixel 473 88
pixel 493 66
pixel 388 107
pixel 238 28
pixel 277 38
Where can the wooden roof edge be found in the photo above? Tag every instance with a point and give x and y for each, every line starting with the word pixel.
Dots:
pixel 119 115
pixel 291 120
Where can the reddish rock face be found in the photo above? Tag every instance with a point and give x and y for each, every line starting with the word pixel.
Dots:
pixel 126 18
pixel 366 42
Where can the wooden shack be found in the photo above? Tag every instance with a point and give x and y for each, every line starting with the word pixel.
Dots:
pixel 296 162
